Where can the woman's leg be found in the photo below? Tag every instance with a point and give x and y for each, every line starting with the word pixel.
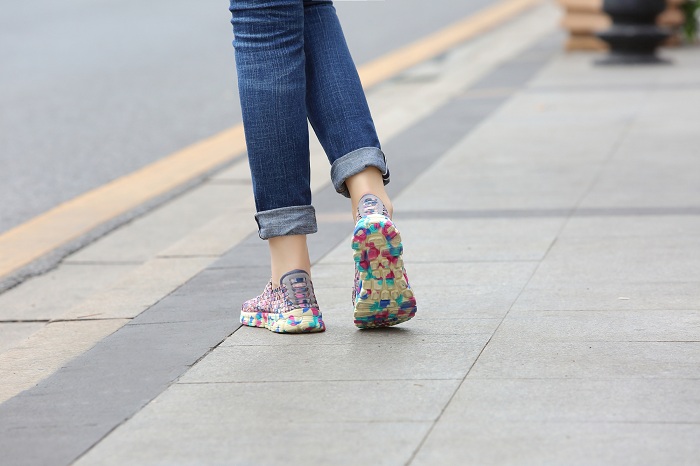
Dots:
pixel 270 60
pixel 338 110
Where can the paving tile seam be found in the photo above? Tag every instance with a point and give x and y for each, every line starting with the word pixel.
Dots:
pixel 413 215
pixel 604 311
pixel 230 347
pixel 605 163
pixel 632 87
pixel 476 360
pixel 446 405
pixel 574 422
pixel 53 321
pixel 592 379
pixel 356 343
pixel 427 435
pixel 88 319
pixel 561 340
pixel 577 205
pixel 355 381
pixel 143 404
pixel 28 321
pixel 425 438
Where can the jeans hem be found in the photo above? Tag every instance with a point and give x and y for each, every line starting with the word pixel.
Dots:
pixel 284 221
pixel 355 162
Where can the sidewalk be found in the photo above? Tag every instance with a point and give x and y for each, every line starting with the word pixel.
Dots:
pixel 550 212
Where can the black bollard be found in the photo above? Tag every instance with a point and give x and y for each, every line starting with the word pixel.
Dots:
pixel 634 35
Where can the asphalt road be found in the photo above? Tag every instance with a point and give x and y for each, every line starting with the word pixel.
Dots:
pixel 93 90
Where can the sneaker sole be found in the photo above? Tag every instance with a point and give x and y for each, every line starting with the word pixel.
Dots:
pixel 385 298
pixel 302 320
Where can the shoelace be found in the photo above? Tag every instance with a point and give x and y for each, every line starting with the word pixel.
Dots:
pixel 370 205
pixel 300 295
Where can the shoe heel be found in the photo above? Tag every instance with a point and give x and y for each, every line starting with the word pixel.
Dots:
pixel 254 319
pixel 385 297
pixel 302 320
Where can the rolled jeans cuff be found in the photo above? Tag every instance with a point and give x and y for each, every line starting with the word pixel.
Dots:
pixel 294 220
pixel 353 163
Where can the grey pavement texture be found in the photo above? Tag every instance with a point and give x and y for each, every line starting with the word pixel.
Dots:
pixel 550 215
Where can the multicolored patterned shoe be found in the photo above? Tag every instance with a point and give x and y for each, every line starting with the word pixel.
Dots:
pixel 382 295
pixel 290 308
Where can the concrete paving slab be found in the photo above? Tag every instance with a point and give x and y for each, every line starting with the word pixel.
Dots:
pixel 12 334
pixel 47 296
pixel 648 138
pixel 442 303
pixel 678 325
pixel 396 360
pixel 576 145
pixel 579 72
pixel 145 237
pixel 470 290
pixel 214 412
pixel 644 272
pixel 664 223
pixel 336 401
pixel 140 290
pixel 508 356
pixel 567 295
pixel 538 443
pixel 48 349
pixel 513 186
pixel 211 294
pixel 575 400
pixel 67 401
pixel 456 240
pixel 468 274
pixel 382 443
pixel 623 259
pixel 215 237
pixel 344 332
pixel 626 184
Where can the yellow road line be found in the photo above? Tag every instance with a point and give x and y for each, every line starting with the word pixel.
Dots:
pixel 72 219
pixel 59 226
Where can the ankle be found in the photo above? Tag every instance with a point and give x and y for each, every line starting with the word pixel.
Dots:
pixel 370 204
pixel 368 181
pixel 288 253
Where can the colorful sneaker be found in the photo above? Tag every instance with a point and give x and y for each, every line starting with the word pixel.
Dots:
pixel 382 296
pixel 291 308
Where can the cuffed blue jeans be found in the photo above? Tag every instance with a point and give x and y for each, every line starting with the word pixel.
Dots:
pixel 293 64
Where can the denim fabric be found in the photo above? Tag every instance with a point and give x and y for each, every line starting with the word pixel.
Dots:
pixel 355 162
pixel 294 220
pixel 293 64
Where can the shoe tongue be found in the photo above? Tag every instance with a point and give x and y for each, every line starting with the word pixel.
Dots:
pixel 298 288
pixel 370 204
